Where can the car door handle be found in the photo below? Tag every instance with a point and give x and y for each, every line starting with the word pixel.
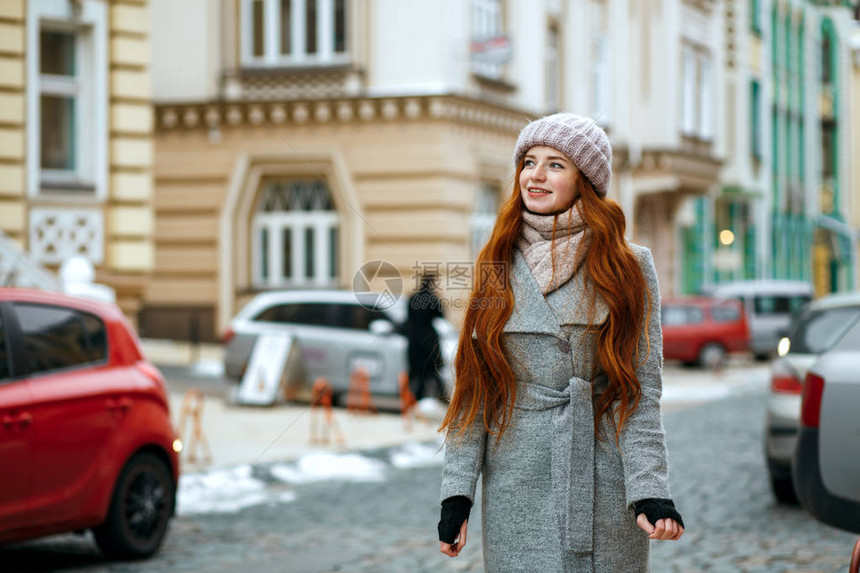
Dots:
pixel 23 420
pixel 122 405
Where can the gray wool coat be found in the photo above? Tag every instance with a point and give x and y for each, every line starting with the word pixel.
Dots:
pixel 555 498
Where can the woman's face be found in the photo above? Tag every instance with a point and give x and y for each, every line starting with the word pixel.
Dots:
pixel 548 180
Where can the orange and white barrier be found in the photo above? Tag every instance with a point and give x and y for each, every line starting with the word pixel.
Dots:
pixel 358 399
pixel 322 398
pixel 192 407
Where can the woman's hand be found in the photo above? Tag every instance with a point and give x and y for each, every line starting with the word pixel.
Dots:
pixel 663 529
pixel 453 549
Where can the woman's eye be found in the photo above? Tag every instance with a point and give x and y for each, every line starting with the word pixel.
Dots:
pixel 556 165
pixel 528 163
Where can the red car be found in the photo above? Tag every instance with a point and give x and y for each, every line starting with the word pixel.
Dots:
pixel 87 441
pixel 703 330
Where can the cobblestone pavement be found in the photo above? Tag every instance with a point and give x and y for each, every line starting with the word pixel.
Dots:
pixel 719 483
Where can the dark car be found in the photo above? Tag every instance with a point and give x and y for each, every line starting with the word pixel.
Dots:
pixel 819 326
pixel 826 465
pixel 703 330
pixel 87 441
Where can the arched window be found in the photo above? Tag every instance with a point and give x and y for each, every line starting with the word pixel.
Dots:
pixel 295 236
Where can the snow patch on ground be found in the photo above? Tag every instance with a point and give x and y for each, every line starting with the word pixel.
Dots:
pixel 208 369
pixel 416 455
pixel 326 466
pixel 225 491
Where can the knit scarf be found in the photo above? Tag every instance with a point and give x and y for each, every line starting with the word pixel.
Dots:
pixel 542 252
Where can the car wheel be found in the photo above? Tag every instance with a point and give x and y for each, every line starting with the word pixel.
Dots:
pixel 783 490
pixel 781 483
pixel 712 355
pixel 140 510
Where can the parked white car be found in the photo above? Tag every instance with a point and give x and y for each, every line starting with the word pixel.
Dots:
pixel 335 332
pixel 814 331
pixel 827 460
pixel 769 306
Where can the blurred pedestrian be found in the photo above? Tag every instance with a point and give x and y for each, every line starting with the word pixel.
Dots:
pixel 559 375
pixel 425 358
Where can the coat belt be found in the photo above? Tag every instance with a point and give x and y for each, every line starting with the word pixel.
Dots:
pixel 572 457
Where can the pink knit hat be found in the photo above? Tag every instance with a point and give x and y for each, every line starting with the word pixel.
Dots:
pixel 579 138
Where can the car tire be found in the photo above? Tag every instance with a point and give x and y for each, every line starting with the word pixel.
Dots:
pixel 781 483
pixel 140 509
pixel 783 490
pixel 712 355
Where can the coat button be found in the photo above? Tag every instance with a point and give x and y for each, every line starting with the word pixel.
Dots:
pixel 564 346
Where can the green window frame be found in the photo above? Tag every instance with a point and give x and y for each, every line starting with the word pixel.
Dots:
pixel 755 124
pixel 755 17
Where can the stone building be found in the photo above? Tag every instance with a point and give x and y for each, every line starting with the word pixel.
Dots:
pixel 76 137
pixel 296 140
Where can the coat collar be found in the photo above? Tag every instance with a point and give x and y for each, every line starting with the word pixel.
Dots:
pixel 532 312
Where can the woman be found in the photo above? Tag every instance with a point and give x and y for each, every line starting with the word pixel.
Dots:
pixel 557 400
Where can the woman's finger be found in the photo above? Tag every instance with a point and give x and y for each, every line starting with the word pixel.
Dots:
pixel 463 530
pixel 644 524
pixel 659 529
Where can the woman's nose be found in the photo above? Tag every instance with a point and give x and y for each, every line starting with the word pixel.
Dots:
pixel 538 173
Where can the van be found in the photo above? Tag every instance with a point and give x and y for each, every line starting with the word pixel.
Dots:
pixel 769 306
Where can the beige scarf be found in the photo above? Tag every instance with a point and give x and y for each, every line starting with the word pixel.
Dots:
pixel 542 253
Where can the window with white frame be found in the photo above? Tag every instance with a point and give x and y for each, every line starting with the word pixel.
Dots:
pixel 484 216
pixel 489 44
pixel 67 98
pixel 294 32
pixel 706 99
pixel 601 76
pixel 697 94
pixel 553 68
pixel 295 236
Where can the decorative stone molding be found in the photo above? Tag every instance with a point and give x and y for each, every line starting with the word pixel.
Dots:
pixel 292 83
pixel 57 234
pixel 214 116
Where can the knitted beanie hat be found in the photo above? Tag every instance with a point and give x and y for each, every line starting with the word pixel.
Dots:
pixel 579 138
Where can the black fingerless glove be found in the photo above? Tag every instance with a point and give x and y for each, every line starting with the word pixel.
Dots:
pixel 455 510
pixel 657 509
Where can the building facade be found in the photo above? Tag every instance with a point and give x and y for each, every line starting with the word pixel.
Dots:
pixel 297 140
pixel 783 210
pixel 76 137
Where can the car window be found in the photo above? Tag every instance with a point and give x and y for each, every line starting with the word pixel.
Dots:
pixel 817 331
pixel 96 336
pixel 851 339
pixel 5 365
pixel 675 315
pixel 312 314
pixel 779 304
pixel 725 313
pixel 361 317
pixel 56 337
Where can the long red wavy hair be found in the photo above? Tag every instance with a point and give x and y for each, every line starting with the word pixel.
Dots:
pixel 484 379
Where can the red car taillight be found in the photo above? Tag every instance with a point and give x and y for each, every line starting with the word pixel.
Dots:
pixel 228 336
pixel 782 381
pixel 810 409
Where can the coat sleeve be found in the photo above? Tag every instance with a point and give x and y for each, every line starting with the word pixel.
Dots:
pixel 464 459
pixel 643 447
